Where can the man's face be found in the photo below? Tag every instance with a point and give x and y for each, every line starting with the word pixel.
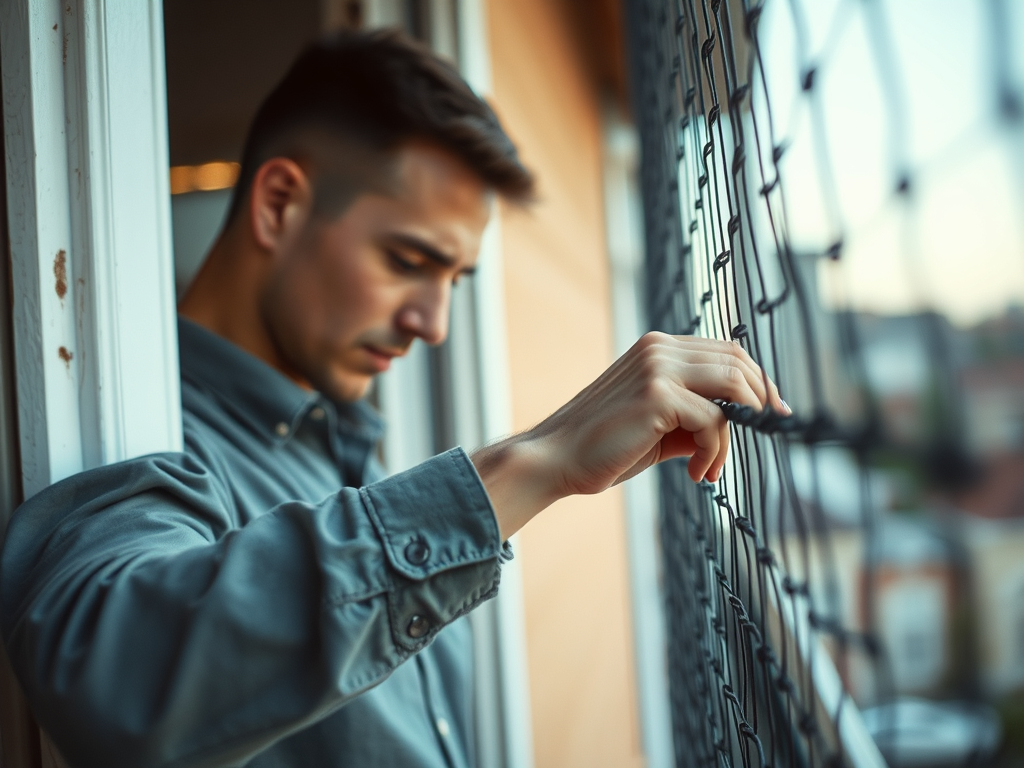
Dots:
pixel 355 290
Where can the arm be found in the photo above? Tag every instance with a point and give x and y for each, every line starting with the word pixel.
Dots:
pixel 652 404
pixel 148 628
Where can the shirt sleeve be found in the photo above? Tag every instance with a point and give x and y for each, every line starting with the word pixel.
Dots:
pixel 148 629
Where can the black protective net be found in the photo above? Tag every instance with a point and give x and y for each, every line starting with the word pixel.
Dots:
pixel 838 185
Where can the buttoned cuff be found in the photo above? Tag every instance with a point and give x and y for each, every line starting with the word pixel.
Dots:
pixel 442 543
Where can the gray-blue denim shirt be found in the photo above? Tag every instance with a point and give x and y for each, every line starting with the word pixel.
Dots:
pixel 263 598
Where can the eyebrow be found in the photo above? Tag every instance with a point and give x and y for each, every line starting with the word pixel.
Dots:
pixel 432 253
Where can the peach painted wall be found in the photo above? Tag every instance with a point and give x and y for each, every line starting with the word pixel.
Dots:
pixel 559 321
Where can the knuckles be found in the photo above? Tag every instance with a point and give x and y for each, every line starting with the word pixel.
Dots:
pixel 652 355
pixel 656 359
pixel 733 378
pixel 652 339
pixel 656 389
pixel 652 365
pixel 734 384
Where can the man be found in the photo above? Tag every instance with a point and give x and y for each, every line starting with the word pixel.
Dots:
pixel 265 598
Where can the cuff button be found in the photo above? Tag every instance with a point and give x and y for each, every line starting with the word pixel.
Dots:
pixel 417 552
pixel 418 627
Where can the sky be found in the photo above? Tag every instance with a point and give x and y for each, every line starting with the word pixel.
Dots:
pixel 956 242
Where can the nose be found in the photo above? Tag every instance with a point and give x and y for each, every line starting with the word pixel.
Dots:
pixel 425 313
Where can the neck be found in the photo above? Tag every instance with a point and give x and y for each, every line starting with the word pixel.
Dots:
pixel 225 295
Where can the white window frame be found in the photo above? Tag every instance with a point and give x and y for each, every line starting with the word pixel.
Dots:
pixel 95 347
pixel 86 137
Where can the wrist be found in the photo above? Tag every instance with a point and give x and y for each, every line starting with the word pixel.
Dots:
pixel 518 477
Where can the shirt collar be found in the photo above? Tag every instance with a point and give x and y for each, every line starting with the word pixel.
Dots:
pixel 258 394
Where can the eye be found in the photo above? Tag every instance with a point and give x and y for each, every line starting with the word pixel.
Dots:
pixel 402 263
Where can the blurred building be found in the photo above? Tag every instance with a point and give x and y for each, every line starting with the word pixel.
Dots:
pixel 946 588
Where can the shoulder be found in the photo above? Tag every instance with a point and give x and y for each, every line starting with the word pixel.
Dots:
pixel 114 507
pixel 174 483
pixel 175 479
pixel 177 474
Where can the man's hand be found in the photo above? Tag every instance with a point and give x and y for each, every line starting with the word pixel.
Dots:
pixel 654 403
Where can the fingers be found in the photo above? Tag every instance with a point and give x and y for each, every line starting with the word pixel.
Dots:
pixel 680 377
pixel 715 471
pixel 721 381
pixel 729 355
pixel 706 370
pixel 707 446
pixel 709 433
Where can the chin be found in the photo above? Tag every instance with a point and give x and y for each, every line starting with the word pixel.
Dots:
pixel 352 396
pixel 347 389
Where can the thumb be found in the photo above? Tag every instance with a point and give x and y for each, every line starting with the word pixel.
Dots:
pixel 677 443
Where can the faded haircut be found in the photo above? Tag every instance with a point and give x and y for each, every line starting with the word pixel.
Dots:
pixel 374 92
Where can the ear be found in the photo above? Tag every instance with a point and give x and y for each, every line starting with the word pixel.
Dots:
pixel 280 202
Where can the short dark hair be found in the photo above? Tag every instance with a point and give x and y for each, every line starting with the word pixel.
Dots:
pixel 382 89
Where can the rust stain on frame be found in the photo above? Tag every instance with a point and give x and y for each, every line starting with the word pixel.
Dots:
pixel 60 272
pixel 64 354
